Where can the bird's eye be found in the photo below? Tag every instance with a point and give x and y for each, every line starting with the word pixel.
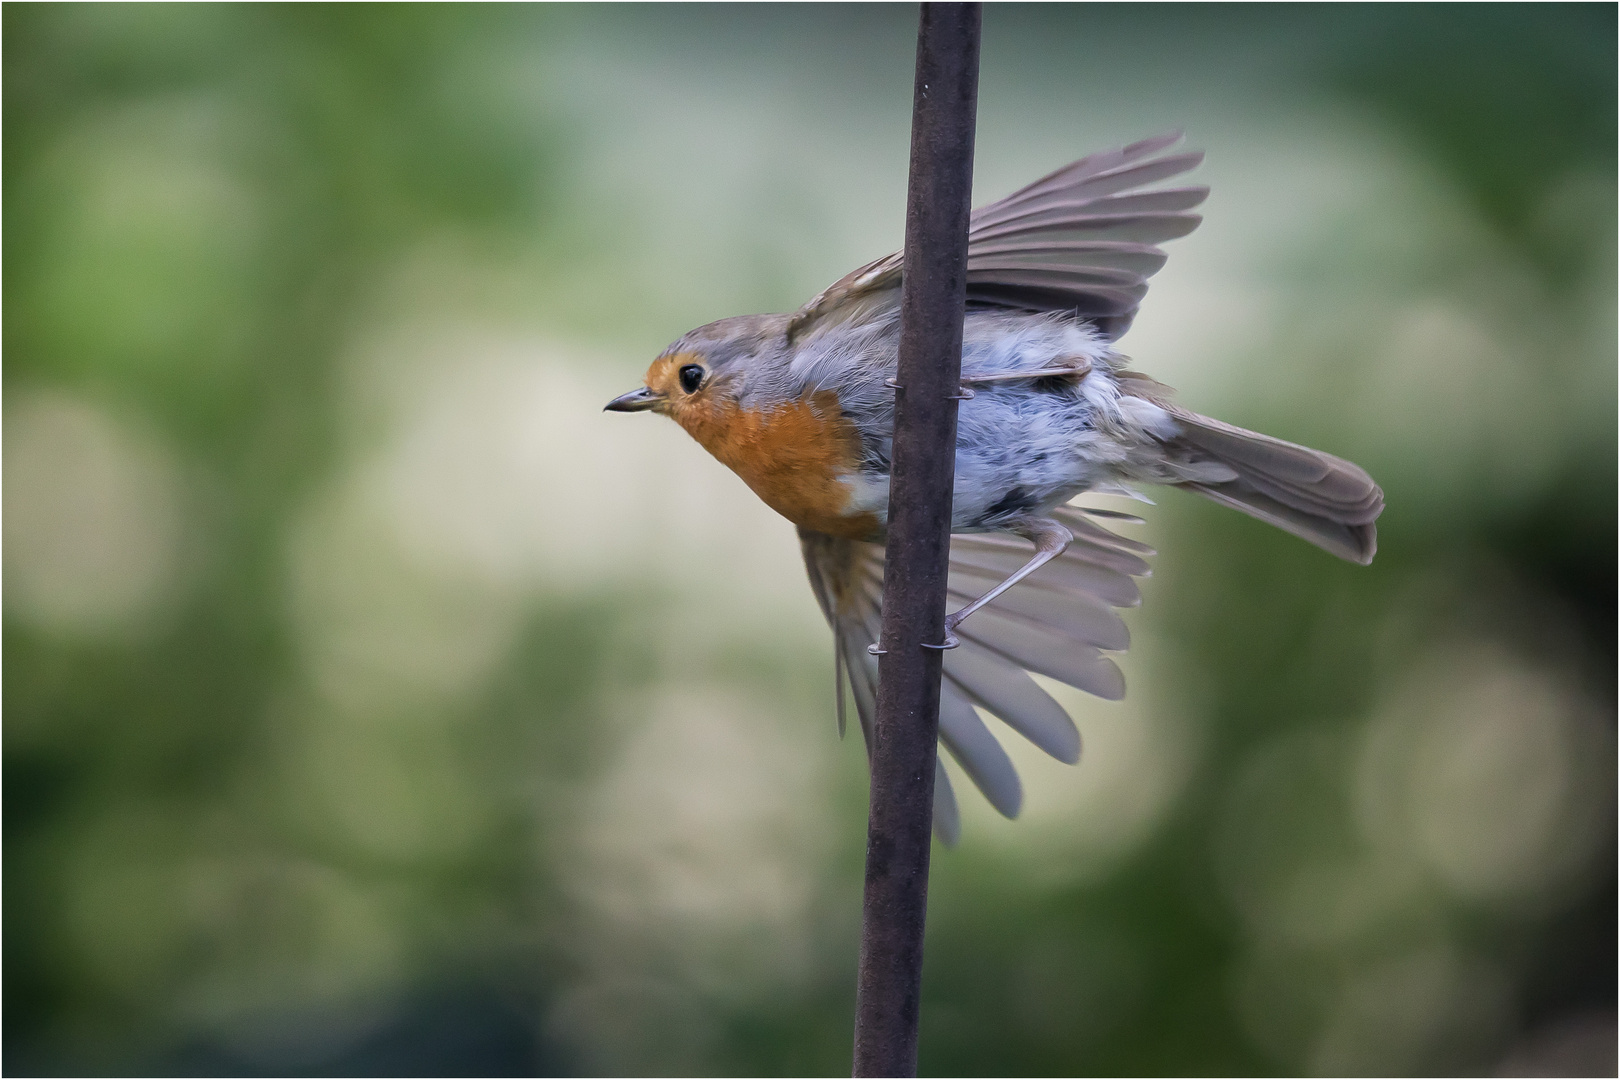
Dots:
pixel 691 378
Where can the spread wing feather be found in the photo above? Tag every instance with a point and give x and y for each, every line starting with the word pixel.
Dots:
pixel 1107 172
pixel 972 746
pixel 1081 239
pixel 1077 221
pixel 1033 647
pixel 1161 200
pixel 993 565
pixel 1138 260
pixel 1012 696
pixel 1056 623
pixel 1077 617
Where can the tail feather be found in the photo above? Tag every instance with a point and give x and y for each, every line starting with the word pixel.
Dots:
pixel 1326 500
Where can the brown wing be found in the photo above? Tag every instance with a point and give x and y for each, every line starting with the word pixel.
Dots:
pixel 1081 239
pixel 1058 622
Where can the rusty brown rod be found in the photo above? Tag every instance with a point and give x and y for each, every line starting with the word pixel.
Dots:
pixel 932 298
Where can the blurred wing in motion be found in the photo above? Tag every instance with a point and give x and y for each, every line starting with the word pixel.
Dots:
pixel 1058 622
pixel 1082 239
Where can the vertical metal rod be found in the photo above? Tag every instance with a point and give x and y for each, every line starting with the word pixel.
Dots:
pixel 932 298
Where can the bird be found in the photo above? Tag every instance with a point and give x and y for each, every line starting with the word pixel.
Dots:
pixel 800 405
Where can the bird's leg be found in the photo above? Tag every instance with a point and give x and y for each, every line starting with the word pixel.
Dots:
pixel 1071 367
pixel 1050 539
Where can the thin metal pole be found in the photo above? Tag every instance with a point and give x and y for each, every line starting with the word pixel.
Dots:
pixel 932 297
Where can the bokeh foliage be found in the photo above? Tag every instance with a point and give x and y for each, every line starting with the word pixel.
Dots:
pixel 327 751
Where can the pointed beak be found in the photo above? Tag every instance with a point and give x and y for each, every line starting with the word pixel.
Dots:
pixel 638 400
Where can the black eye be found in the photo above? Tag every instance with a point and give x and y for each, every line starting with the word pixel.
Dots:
pixel 691 378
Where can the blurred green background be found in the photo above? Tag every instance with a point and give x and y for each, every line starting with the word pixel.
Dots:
pixel 374 704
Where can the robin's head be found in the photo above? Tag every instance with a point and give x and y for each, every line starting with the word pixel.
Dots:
pixel 702 375
pixel 732 386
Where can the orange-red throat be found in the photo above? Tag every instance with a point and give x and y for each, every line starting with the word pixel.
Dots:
pixel 800 456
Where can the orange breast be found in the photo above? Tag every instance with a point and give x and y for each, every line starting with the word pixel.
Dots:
pixel 794 456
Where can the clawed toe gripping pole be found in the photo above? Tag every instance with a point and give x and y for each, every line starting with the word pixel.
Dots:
pixel 965 395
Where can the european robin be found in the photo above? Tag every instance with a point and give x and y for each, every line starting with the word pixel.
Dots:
pixel 801 406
